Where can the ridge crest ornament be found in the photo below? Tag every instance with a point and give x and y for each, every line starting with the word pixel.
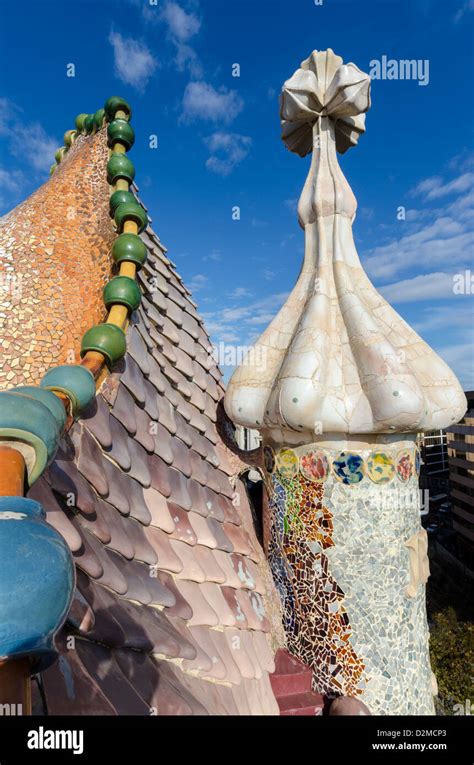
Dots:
pixel 344 374
pixel 324 87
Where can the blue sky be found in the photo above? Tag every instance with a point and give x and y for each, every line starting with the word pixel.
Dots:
pixel 219 141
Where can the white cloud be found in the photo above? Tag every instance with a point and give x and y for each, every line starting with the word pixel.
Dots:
pixel 240 292
pixel 12 183
pixel 11 180
pixel 9 113
pixel 462 161
pixel 187 58
pixel 258 222
pixel 227 151
pixel 434 244
pixel 458 317
pixel 182 26
pixel 459 357
pixel 468 6
pixel 34 145
pixel 289 238
pixel 432 239
pixel 214 255
pixel 197 282
pixel 134 63
pixel 229 337
pixel 462 208
pixel 263 318
pixel 418 215
pixel 426 186
pixel 435 187
pixel 432 286
pixel 254 314
pixel 28 141
pixel 291 204
pixel 202 101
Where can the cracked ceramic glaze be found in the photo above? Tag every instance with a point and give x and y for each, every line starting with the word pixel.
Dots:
pixel 338 358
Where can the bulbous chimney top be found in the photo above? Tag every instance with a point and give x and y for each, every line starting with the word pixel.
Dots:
pixel 337 358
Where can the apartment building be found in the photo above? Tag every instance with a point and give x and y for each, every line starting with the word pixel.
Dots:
pixel 460 444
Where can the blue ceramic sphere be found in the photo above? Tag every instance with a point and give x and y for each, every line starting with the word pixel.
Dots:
pixel 36 581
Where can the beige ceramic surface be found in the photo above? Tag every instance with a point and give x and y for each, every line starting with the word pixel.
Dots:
pixel 337 358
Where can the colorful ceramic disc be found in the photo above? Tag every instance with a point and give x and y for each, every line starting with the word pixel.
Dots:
pixel 314 465
pixel 405 466
pixel 269 459
pixel 417 462
pixel 287 463
pixel 380 467
pixel 349 467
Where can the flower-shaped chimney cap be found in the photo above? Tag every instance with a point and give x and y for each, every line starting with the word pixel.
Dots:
pixel 324 87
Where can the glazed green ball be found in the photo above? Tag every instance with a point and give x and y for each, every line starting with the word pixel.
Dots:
pixel 129 248
pixel 107 339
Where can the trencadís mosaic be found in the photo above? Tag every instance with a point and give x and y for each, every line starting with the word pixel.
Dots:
pixel 348 467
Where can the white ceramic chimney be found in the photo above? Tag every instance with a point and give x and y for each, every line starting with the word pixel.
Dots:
pixel 338 386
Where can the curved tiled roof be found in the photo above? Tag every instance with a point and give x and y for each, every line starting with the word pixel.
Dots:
pixel 169 611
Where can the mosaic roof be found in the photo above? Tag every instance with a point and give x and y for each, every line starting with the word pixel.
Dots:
pixel 173 594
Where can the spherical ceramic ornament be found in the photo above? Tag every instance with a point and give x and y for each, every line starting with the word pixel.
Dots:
pixel 405 467
pixel 314 465
pixel 120 198
pixel 120 166
pixel 115 104
pixel 33 422
pixel 417 462
pixel 107 339
pixel 122 290
pixel 36 581
pixel 287 463
pixel 269 459
pixel 134 212
pixel 349 468
pixel 75 381
pixel 380 467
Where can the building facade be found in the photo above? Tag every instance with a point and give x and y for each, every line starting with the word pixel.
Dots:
pixel 461 478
